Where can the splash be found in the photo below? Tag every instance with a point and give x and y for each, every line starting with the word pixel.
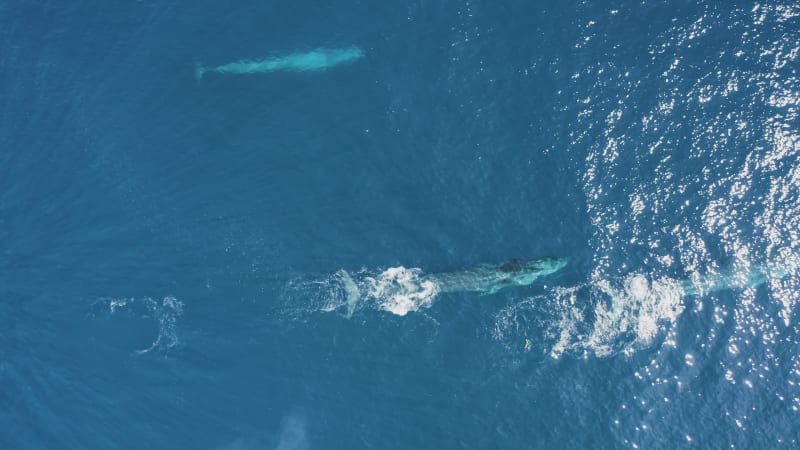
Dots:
pixel 399 290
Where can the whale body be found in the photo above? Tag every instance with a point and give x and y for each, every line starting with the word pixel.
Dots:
pixel 313 61
pixel 488 279
pixel 485 279
pixel 745 278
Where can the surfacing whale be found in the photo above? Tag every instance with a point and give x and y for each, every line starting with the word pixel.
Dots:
pixel 485 279
pixel 313 61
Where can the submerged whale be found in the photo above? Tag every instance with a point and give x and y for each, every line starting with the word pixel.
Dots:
pixel 744 278
pixel 312 61
pixel 485 279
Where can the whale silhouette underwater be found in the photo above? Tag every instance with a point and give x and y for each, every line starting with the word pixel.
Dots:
pixel 316 60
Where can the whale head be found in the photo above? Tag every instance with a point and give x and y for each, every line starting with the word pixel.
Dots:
pixel 523 272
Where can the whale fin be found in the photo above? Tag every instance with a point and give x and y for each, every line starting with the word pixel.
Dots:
pixel 199 71
pixel 352 293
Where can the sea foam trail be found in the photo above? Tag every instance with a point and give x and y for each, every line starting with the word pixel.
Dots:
pixel 397 290
pixel 165 312
pixel 602 317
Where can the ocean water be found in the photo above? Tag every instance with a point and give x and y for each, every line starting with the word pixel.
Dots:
pixel 172 250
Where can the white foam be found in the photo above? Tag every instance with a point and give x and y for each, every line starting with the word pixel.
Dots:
pixel 640 309
pixel 598 318
pixel 399 290
pixel 167 314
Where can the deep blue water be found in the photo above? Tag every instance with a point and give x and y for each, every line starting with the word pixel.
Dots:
pixel 169 274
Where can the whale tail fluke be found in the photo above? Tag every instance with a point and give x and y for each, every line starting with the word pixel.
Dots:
pixel 199 71
pixel 352 293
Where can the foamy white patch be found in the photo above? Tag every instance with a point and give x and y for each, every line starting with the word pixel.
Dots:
pixel 638 308
pixel 400 290
pixel 594 319
pixel 567 324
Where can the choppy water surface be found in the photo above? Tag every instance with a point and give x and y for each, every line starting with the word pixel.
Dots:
pixel 180 253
